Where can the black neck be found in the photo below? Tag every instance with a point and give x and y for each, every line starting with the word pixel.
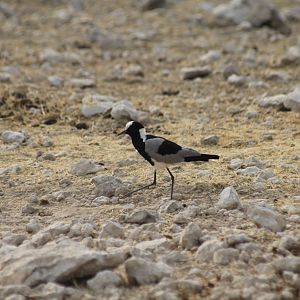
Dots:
pixel 139 145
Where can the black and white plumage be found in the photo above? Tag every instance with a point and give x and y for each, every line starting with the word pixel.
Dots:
pixel 160 152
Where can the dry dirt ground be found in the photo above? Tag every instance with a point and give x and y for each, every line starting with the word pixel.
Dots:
pixel 161 42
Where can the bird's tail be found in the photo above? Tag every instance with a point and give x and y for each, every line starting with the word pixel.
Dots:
pixel 202 157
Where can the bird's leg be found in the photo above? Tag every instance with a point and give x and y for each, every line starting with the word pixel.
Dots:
pixel 143 187
pixel 173 180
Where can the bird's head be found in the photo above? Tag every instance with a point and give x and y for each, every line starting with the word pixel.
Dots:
pixel 134 129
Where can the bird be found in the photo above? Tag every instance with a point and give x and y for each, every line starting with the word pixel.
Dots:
pixel 160 152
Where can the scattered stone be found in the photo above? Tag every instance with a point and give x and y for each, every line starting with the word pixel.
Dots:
pixel 230 69
pixel 278 76
pixel 54 262
pixel 211 56
pixel 140 271
pixel 210 140
pixel 154 245
pixel 171 206
pixel 124 110
pixel 97 105
pixel 191 236
pixel 235 239
pixel 206 251
pixel 290 243
pixel 28 209
pixel 292 100
pixel 54 57
pixel 292 56
pixel 10 170
pixel 238 80
pixel 14 239
pixel 56 81
pixel 104 279
pixel 102 200
pixel 267 136
pixel 82 229
pixel 152 4
pixel 141 216
pixel 6 10
pixel 10 137
pixel 292 13
pixel 107 185
pixel 33 226
pixel 290 264
pixel 255 12
pixel 112 229
pixel 229 199
pixel 85 167
pixel 46 141
pixel 134 70
pixel 267 218
pixel 273 101
pixel 192 73
pixel 249 171
pixel 5 77
pixel 82 83
pixel 49 156
pixel 235 164
pixel 225 256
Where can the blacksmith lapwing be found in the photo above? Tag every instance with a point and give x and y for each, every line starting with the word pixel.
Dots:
pixel 160 152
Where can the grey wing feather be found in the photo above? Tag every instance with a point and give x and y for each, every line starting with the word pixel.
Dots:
pixel 152 148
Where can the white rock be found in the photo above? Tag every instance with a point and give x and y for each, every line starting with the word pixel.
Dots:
pixel 279 76
pixel 10 170
pixel 104 279
pixel 56 81
pixel 191 236
pixel 51 290
pixel 13 137
pixel 255 12
pixel 85 167
pixel 273 101
pixel 293 100
pixel 171 206
pixel 206 251
pixel 124 110
pixel 112 229
pixel 267 218
pixel 141 216
pixel 54 57
pixel 5 77
pixel 14 239
pixel 192 73
pixel 289 243
pixel 292 56
pixel 82 83
pixel 60 262
pixel 235 163
pixel 290 263
pixel 238 80
pixel 229 199
pixel 235 239
pixel 97 105
pixel 225 256
pixel 210 140
pixel 250 171
pixel 155 244
pixel 33 226
pixel 106 185
pixel 140 271
pixel 211 56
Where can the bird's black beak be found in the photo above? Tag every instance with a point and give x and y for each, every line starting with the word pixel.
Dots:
pixel 121 133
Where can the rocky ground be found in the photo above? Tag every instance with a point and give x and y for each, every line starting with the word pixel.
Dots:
pixel 220 79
